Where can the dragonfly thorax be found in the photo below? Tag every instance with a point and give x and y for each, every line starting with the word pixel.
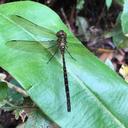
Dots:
pixel 61 41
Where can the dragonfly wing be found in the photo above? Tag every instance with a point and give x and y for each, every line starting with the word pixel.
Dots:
pixel 30 46
pixel 38 32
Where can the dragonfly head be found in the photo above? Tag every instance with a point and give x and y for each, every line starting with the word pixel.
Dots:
pixel 61 33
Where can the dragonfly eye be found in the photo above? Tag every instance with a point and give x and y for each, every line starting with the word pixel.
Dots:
pixel 61 33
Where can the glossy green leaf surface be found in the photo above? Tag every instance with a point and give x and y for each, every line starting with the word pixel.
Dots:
pixel 99 97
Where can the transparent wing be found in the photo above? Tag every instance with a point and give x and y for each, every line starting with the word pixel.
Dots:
pixel 30 46
pixel 39 32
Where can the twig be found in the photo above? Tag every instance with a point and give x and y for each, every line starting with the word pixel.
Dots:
pixel 65 18
pixel 17 89
pixel 17 107
pixel 100 16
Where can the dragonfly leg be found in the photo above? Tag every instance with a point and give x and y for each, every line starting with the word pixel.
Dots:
pixel 52 56
pixel 66 46
pixel 70 54
pixel 51 46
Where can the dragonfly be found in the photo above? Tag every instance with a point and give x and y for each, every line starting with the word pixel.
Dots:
pixel 61 43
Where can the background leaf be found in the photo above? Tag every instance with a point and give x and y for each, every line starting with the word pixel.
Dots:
pixel 121 2
pixel 108 3
pixel 124 18
pixel 80 4
pixel 3 91
pixel 99 96
pixel 37 120
pixel 119 39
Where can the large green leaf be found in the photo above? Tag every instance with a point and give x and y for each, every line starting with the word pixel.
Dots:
pixel 99 97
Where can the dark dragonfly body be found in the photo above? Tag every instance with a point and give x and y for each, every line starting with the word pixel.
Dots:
pixel 61 42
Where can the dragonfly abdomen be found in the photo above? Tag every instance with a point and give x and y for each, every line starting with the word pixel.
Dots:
pixel 66 84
